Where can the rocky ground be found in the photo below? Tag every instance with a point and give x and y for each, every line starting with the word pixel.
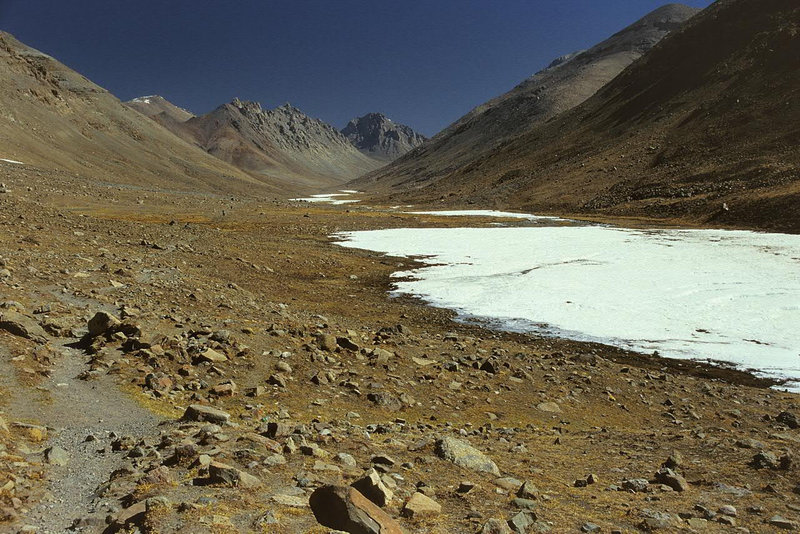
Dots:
pixel 199 363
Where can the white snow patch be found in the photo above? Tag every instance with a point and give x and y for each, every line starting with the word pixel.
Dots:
pixel 327 198
pixel 488 213
pixel 15 162
pixel 144 99
pixel 729 296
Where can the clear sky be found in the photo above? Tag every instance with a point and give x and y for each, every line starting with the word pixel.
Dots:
pixel 421 62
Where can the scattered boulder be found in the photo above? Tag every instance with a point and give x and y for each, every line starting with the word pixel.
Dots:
pixel 778 521
pixel 373 488
pixel 22 326
pixel 765 460
pixel 495 526
pixel 211 356
pixel 56 456
pixel 326 342
pixel 668 477
pixel 201 412
pixel 103 323
pixel 789 419
pixel 420 505
pixel 465 455
pixel 220 473
pixel 346 343
pixel 385 400
pixel 549 407
pixel 345 508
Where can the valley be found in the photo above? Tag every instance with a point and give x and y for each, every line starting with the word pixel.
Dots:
pixel 321 376
pixel 574 309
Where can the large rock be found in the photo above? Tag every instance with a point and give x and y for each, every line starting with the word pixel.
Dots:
pixel 373 488
pixel 201 412
pixel 465 455
pixel 667 476
pixel 56 456
pixel 420 505
pixel 220 473
pixel 345 508
pixel 495 526
pixel 102 323
pixel 22 326
pixel 211 356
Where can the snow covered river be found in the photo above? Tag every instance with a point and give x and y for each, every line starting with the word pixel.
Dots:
pixel 731 296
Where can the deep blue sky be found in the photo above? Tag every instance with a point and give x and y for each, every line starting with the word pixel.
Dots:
pixel 421 62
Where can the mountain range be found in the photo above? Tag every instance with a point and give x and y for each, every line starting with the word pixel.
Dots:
pixel 682 115
pixel 565 83
pixel 284 144
pixel 701 129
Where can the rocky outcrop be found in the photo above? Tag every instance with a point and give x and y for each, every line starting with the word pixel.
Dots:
pixel 347 509
pixel 379 137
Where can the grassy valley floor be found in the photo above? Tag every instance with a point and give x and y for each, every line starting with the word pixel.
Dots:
pixel 246 306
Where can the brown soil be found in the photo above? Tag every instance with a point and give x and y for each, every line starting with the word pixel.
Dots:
pixel 268 273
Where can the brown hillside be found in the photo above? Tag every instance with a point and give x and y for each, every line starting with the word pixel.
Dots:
pixel 568 81
pixel 703 128
pixel 54 118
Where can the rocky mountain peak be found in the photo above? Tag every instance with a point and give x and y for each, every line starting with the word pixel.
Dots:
pixel 378 136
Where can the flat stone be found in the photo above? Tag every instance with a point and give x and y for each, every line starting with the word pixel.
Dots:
pixel 56 456
pixel 420 505
pixel 22 326
pixel 212 356
pixel 465 455
pixel 220 473
pixel 201 412
pixel 294 501
pixel 549 407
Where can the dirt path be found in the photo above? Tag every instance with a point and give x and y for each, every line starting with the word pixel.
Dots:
pixel 75 409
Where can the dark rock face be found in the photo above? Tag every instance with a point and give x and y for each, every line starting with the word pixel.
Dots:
pixel 346 509
pixel 378 136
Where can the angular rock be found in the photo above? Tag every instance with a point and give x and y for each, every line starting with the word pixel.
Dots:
pixel 56 456
pixel 103 323
pixel 528 491
pixel 549 407
pixel 385 400
pixel 201 412
pixel 345 343
pixel 782 523
pixel 220 473
pixel 211 356
pixel 495 526
pixel 672 479
pixel 420 505
pixel 326 342
pixel 345 508
pixel 765 460
pixel 789 419
pixel 22 326
pixel 465 455
pixel 373 488
pixel 520 522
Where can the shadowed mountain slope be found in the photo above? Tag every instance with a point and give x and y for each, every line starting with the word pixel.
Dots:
pixel 380 137
pixel 704 128
pixel 567 82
